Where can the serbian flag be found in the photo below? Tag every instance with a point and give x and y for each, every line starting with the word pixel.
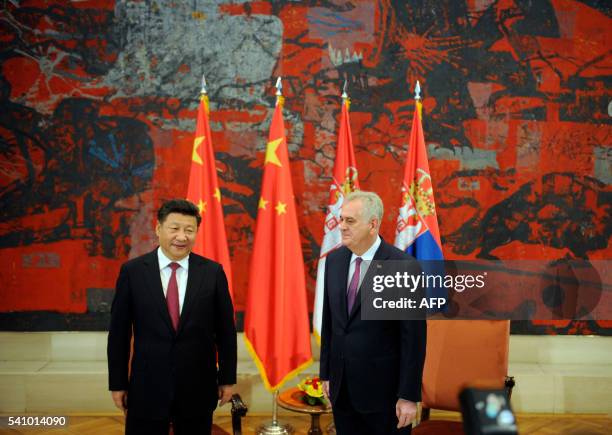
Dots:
pixel 203 190
pixel 417 224
pixel 276 327
pixel 344 182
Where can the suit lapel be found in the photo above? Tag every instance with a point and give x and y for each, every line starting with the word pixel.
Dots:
pixel 382 253
pixel 194 282
pixel 154 285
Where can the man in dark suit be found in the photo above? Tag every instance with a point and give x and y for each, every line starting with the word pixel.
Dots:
pixel 177 307
pixel 371 370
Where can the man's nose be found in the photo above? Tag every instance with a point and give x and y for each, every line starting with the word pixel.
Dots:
pixel 181 235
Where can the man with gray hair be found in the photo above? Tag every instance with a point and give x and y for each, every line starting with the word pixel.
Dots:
pixel 371 370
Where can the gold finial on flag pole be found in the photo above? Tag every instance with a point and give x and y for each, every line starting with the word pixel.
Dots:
pixel 417 97
pixel 345 98
pixel 204 93
pixel 279 91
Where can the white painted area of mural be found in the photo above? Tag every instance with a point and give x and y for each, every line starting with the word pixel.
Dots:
pixel 168 48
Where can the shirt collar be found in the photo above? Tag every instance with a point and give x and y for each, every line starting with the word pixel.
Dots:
pixel 165 261
pixel 369 254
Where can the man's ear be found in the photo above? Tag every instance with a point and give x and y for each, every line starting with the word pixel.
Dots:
pixel 375 225
pixel 157 229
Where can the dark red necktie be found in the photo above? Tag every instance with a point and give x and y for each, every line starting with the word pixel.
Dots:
pixel 353 286
pixel 172 296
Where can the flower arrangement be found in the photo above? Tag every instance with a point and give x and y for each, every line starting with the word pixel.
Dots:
pixel 313 391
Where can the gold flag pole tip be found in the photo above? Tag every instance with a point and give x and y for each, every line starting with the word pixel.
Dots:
pixel 279 92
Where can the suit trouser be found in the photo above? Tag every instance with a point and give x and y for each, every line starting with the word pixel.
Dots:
pixel 196 425
pixel 349 421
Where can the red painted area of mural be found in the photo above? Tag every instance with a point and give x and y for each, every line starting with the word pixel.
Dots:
pixel 248 8
pixel 515 117
pixel 23 73
pixel 33 276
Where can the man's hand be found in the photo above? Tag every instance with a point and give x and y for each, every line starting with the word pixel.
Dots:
pixel 405 411
pixel 120 399
pixel 225 394
pixel 326 389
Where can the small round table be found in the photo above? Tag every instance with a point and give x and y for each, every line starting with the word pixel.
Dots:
pixel 291 399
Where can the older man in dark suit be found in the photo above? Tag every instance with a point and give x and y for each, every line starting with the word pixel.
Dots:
pixel 176 306
pixel 371 370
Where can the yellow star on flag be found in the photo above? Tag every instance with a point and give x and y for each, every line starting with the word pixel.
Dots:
pixel 271 148
pixel 281 208
pixel 262 203
pixel 202 206
pixel 195 156
pixel 217 194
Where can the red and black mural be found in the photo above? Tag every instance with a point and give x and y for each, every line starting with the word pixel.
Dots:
pixel 97 114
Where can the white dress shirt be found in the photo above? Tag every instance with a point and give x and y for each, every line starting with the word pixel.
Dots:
pixel 181 275
pixel 367 258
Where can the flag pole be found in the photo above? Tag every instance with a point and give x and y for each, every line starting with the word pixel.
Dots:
pixel 417 99
pixel 204 97
pixel 279 91
pixel 274 427
pixel 345 98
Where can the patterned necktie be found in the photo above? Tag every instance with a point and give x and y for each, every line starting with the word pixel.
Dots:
pixel 172 296
pixel 354 285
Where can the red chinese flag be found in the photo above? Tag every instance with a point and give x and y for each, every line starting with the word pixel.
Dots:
pixel 276 328
pixel 203 191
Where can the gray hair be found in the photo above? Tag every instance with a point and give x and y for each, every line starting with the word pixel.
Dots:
pixel 372 204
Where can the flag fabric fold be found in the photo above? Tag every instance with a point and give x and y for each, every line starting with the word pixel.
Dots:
pixel 417 229
pixel 345 181
pixel 276 327
pixel 204 192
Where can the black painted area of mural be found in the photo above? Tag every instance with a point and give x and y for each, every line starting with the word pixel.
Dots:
pixel 556 211
pixel 603 6
pixel 80 165
pixel 39 321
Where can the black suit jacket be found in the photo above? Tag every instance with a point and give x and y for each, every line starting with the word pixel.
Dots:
pixel 171 372
pixel 380 361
